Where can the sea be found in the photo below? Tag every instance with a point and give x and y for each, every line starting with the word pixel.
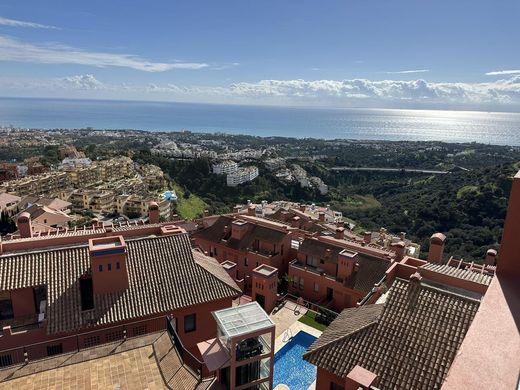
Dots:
pixel 497 128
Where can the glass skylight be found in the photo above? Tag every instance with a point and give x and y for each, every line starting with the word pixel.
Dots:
pixel 242 319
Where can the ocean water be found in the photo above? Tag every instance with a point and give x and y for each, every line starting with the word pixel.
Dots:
pixel 370 124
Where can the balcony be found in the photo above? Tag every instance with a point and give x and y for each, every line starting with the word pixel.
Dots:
pixel 24 323
pixel 309 268
pixel 263 252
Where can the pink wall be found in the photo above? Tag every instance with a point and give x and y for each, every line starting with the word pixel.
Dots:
pixel 23 302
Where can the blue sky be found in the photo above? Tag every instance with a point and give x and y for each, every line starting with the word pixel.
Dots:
pixel 436 54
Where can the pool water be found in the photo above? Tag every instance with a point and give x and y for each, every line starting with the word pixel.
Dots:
pixel 289 366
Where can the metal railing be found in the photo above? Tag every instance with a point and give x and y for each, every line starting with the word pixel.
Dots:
pixel 77 343
pixel 187 358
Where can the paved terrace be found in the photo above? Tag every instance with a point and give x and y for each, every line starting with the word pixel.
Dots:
pixel 147 362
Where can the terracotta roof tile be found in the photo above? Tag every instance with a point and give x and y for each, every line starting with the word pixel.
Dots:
pixel 410 345
pixel 460 273
pixel 163 276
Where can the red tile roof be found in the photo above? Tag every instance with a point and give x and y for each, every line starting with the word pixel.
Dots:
pixel 163 276
pixel 410 343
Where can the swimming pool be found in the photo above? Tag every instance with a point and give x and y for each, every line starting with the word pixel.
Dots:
pixel 289 366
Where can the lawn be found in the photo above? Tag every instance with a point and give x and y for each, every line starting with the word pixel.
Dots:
pixel 309 319
pixel 189 208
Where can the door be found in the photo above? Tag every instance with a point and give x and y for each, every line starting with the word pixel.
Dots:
pixel 261 300
pixel 330 293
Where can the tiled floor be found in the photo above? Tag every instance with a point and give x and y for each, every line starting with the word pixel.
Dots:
pixel 135 369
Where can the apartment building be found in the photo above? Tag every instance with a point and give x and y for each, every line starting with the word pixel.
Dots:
pixel 332 276
pixel 135 206
pixel 225 167
pixel 242 175
pixel 8 202
pixel 431 324
pixel 48 183
pixel 75 289
pixel 246 242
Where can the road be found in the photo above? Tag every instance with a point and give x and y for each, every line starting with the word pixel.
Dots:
pixel 433 172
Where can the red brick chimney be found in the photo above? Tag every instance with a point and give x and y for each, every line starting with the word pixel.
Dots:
pixel 340 233
pixel 400 249
pixel 251 210
pixel 24 225
pixel 347 261
pixel 491 257
pixel 153 213
pixel 295 222
pixel 436 250
pixel 367 237
pixel 302 208
pixel 321 217
pixel 238 229
pixel 108 264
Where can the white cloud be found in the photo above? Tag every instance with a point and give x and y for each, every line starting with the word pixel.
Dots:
pixel 337 93
pixel 86 82
pixel 503 72
pixel 409 71
pixel 14 50
pixel 19 23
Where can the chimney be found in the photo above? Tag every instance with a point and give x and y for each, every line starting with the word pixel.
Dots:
pixel 340 233
pixel 24 225
pixel 402 236
pixel 295 222
pixel 153 213
pixel 302 208
pixel 360 378
pixel 491 257
pixel 321 217
pixel 414 288
pixel 236 209
pixel 238 229
pixel 436 250
pixel 367 237
pixel 400 249
pixel 347 261
pixel 251 210
pixel 340 224
pixel 108 264
pixel 205 214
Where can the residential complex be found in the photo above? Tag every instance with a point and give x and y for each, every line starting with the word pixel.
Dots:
pixel 242 175
pixel 77 289
pixel 225 167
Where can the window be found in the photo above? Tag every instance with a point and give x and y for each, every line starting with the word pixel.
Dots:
pixel 190 323
pixel 301 283
pixel 118 265
pixel 54 349
pixel 87 293
pixel 311 261
pixel 281 250
pixel 316 287
pixel 246 263
pixel 110 266
pixel 335 386
pixel 100 267
pixel 295 281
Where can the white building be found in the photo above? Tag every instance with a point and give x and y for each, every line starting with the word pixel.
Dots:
pixel 242 175
pixel 225 167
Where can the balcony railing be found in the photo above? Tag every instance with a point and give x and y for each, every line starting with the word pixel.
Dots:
pixel 80 342
pixel 263 252
pixel 194 365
